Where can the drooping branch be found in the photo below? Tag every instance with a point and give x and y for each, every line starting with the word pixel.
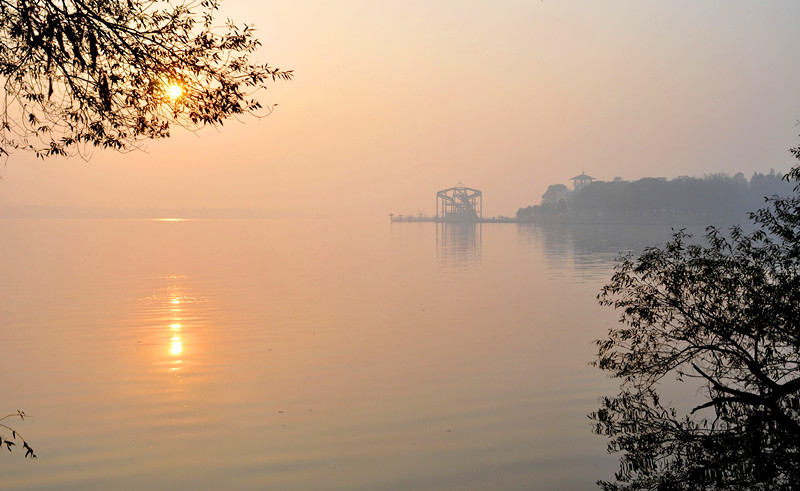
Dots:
pixel 80 72
pixel 15 435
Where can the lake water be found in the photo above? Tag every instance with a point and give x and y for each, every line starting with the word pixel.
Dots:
pixel 318 354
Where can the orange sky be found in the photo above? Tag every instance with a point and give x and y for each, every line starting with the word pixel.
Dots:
pixel 393 101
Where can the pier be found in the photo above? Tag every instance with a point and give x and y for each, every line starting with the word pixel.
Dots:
pixel 458 204
pixel 436 219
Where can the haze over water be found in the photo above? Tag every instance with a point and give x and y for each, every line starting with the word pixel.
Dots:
pixel 313 354
pixel 392 101
pixel 349 352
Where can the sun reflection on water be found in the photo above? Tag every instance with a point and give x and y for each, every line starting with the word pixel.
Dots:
pixel 176 343
pixel 176 346
pixel 176 317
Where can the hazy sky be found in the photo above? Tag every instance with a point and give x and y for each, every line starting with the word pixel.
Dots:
pixel 394 100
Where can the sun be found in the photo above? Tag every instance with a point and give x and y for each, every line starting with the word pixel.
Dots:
pixel 174 91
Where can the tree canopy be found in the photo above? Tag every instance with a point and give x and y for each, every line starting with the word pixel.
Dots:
pixel 715 198
pixel 111 73
pixel 724 314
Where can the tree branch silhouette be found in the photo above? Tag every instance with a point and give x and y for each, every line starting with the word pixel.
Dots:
pixel 79 74
pixel 15 435
pixel 725 315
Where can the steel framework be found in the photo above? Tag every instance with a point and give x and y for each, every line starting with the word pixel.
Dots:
pixel 459 204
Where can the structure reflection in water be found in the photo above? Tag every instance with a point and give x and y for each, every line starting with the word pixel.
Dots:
pixel 589 250
pixel 458 245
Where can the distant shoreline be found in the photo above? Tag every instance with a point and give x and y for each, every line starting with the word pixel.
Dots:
pixel 69 212
pixel 688 220
pixel 666 221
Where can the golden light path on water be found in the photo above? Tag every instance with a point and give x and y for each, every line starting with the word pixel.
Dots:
pixel 176 342
pixel 313 354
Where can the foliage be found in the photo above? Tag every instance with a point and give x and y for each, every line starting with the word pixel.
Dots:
pixel 10 443
pixel 84 73
pixel 717 197
pixel 726 316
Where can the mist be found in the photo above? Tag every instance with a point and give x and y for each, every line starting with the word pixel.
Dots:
pixel 392 102
pixel 390 278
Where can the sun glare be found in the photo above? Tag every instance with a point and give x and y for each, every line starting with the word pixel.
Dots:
pixel 174 91
pixel 176 346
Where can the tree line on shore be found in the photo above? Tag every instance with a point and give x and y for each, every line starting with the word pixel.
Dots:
pixel 717 197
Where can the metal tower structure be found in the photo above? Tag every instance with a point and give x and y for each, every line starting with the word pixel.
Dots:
pixel 459 204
